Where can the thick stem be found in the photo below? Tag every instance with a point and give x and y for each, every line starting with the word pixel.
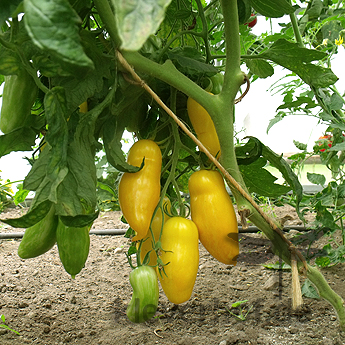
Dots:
pixel 325 291
pixel 108 18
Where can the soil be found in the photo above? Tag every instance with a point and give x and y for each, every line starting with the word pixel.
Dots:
pixel 41 301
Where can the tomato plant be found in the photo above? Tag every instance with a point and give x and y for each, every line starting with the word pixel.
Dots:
pixel 137 66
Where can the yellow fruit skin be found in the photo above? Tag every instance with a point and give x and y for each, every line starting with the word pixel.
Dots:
pixel 83 108
pixel 214 215
pixel 203 126
pixel 180 246
pixel 156 227
pixel 139 192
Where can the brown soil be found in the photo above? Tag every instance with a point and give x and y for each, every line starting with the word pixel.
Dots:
pixel 47 307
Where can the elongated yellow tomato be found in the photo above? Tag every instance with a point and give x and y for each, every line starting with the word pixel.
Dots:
pixel 213 213
pixel 139 192
pixel 156 226
pixel 203 126
pixel 180 256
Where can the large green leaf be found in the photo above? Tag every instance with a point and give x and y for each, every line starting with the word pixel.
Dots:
pixel 272 8
pixel 54 27
pixel 21 139
pixel 261 181
pixel 297 59
pixel 137 20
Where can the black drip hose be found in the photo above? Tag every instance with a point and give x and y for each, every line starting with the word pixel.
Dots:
pixel 117 232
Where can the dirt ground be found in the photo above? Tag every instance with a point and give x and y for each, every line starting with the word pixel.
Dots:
pixel 47 307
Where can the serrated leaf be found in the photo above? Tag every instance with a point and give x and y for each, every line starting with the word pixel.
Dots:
pixel 21 139
pixel 272 8
pixel 297 59
pixel 260 67
pixel 316 178
pixel 54 27
pixel 309 291
pixel 137 20
pixel 297 103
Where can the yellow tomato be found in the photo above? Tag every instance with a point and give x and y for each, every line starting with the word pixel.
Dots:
pixel 180 255
pixel 203 126
pixel 139 192
pixel 214 215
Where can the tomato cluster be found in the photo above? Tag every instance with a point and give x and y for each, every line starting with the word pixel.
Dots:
pixel 167 244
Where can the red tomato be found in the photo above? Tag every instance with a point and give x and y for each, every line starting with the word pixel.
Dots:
pixel 253 22
pixel 322 140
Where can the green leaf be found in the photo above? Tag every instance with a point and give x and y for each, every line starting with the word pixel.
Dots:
pixel 54 27
pixel 113 146
pixel 297 59
pixel 336 102
pixel 137 20
pixel 290 177
pixel 272 8
pixel 278 266
pixel 57 135
pixel 189 61
pixel 238 303
pixel 275 120
pixel 316 178
pixel 296 104
pixel 261 181
pixel 81 87
pixel 244 11
pixel 260 67
pixel 21 139
pixel 20 195
pixel 80 220
pixel 9 61
pixel 314 10
pixel 33 216
pixel 249 152
pixel 300 146
pixel 309 291
pixel 7 8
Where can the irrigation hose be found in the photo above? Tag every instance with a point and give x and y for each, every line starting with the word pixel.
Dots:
pixel 117 232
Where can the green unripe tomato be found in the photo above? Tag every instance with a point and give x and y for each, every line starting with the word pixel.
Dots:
pixel 19 95
pixel 144 302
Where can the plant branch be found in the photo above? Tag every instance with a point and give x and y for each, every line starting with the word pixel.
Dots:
pixel 106 13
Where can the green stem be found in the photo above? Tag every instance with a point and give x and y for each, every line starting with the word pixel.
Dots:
pixel 325 291
pixel 204 30
pixel 296 31
pixel 108 18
